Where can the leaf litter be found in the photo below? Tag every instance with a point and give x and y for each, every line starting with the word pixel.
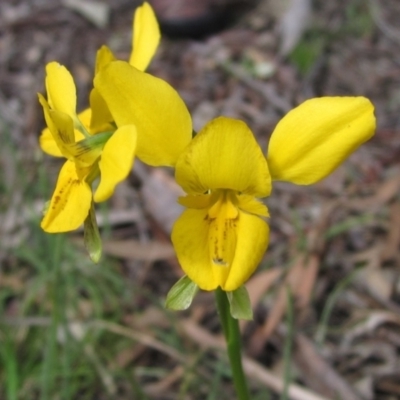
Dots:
pixel 336 245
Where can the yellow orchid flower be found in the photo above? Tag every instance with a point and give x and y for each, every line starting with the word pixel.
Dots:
pixel 109 154
pixel 88 140
pixel 145 40
pixel 221 237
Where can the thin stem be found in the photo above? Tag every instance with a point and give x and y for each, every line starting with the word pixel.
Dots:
pixel 230 327
pixel 51 348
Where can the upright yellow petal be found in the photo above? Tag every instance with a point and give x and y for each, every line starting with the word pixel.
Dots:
pixel 224 155
pixel 60 87
pixel 161 118
pixel 104 57
pixel 146 37
pixel 315 137
pixel 70 203
pixel 116 161
pixel 101 120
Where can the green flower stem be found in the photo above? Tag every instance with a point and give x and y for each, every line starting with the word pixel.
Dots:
pixel 48 374
pixel 230 327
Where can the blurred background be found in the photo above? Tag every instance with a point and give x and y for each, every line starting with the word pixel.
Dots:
pixel 326 296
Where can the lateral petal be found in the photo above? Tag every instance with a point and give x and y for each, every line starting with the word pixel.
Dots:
pixel 62 135
pixel 190 237
pixel 224 155
pixel 161 118
pixel 60 87
pixel 191 240
pixel 101 116
pixel 146 37
pixel 85 117
pixel 116 161
pixel 252 236
pixel 103 57
pixel 70 203
pixel 48 144
pixel 315 137
pixel 253 206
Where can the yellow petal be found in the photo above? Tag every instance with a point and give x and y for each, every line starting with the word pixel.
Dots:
pixel 60 87
pixel 195 201
pixel 252 205
pixel 315 137
pixel 251 243
pixel 70 203
pixel 60 126
pixel 85 117
pixel 191 239
pixel 104 57
pixel 161 118
pixel 224 155
pixel 82 153
pixel 48 144
pixel 190 236
pixel 146 37
pixel 101 117
pixel 116 161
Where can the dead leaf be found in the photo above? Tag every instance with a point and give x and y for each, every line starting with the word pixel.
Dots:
pixel 392 242
pixel 383 194
pixel 293 23
pixel 317 372
pixel 94 11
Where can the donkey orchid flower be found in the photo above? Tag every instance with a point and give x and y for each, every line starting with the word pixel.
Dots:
pixel 221 237
pixel 88 154
pixel 89 140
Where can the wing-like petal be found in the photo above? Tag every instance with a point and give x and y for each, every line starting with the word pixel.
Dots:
pixel 224 155
pixel 48 144
pixel 85 117
pixel 190 236
pixel 315 137
pixel 63 135
pixel 161 118
pixel 191 239
pixel 146 37
pixel 70 203
pixel 104 57
pixel 101 117
pixel 252 237
pixel 60 87
pixel 253 206
pixel 116 161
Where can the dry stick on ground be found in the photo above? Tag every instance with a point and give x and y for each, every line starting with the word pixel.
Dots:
pixel 138 337
pixel 318 373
